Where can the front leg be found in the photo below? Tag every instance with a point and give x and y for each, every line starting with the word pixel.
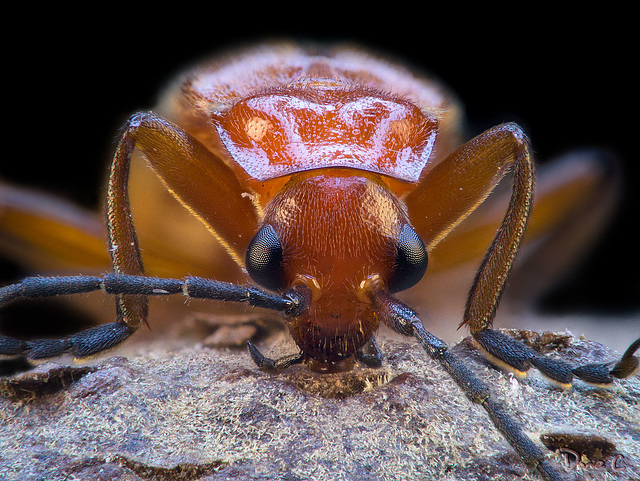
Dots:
pixel 106 336
pixel 404 320
pixel 460 183
pixel 198 178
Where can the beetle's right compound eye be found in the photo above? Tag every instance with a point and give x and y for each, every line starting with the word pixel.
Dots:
pixel 411 260
pixel 264 259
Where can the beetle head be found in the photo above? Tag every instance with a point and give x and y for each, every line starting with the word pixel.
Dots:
pixel 343 236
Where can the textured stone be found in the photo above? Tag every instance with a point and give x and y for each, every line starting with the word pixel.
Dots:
pixel 172 412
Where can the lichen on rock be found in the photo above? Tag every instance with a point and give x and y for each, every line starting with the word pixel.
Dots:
pixel 194 413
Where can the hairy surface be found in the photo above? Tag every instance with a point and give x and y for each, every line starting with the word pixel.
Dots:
pixel 170 412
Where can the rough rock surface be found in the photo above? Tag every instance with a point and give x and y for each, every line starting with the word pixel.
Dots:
pixel 172 412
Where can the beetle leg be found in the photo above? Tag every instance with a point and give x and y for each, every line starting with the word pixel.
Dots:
pixel 628 363
pixel 511 145
pixel 85 343
pixel 267 364
pixel 462 182
pixel 404 320
pixel 501 147
pixel 373 356
pixel 193 174
pixel 512 354
pixel 106 336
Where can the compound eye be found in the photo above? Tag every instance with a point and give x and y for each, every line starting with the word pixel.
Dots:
pixel 411 260
pixel 264 259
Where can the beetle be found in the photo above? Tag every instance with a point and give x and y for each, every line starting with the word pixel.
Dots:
pixel 329 178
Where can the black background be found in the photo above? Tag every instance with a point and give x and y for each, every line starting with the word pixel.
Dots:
pixel 73 77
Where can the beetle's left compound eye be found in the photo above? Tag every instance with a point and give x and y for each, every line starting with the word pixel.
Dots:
pixel 264 259
pixel 411 260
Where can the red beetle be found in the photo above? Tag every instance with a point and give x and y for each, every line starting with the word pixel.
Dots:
pixel 331 178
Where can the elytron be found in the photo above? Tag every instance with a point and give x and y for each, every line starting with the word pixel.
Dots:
pixel 330 178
